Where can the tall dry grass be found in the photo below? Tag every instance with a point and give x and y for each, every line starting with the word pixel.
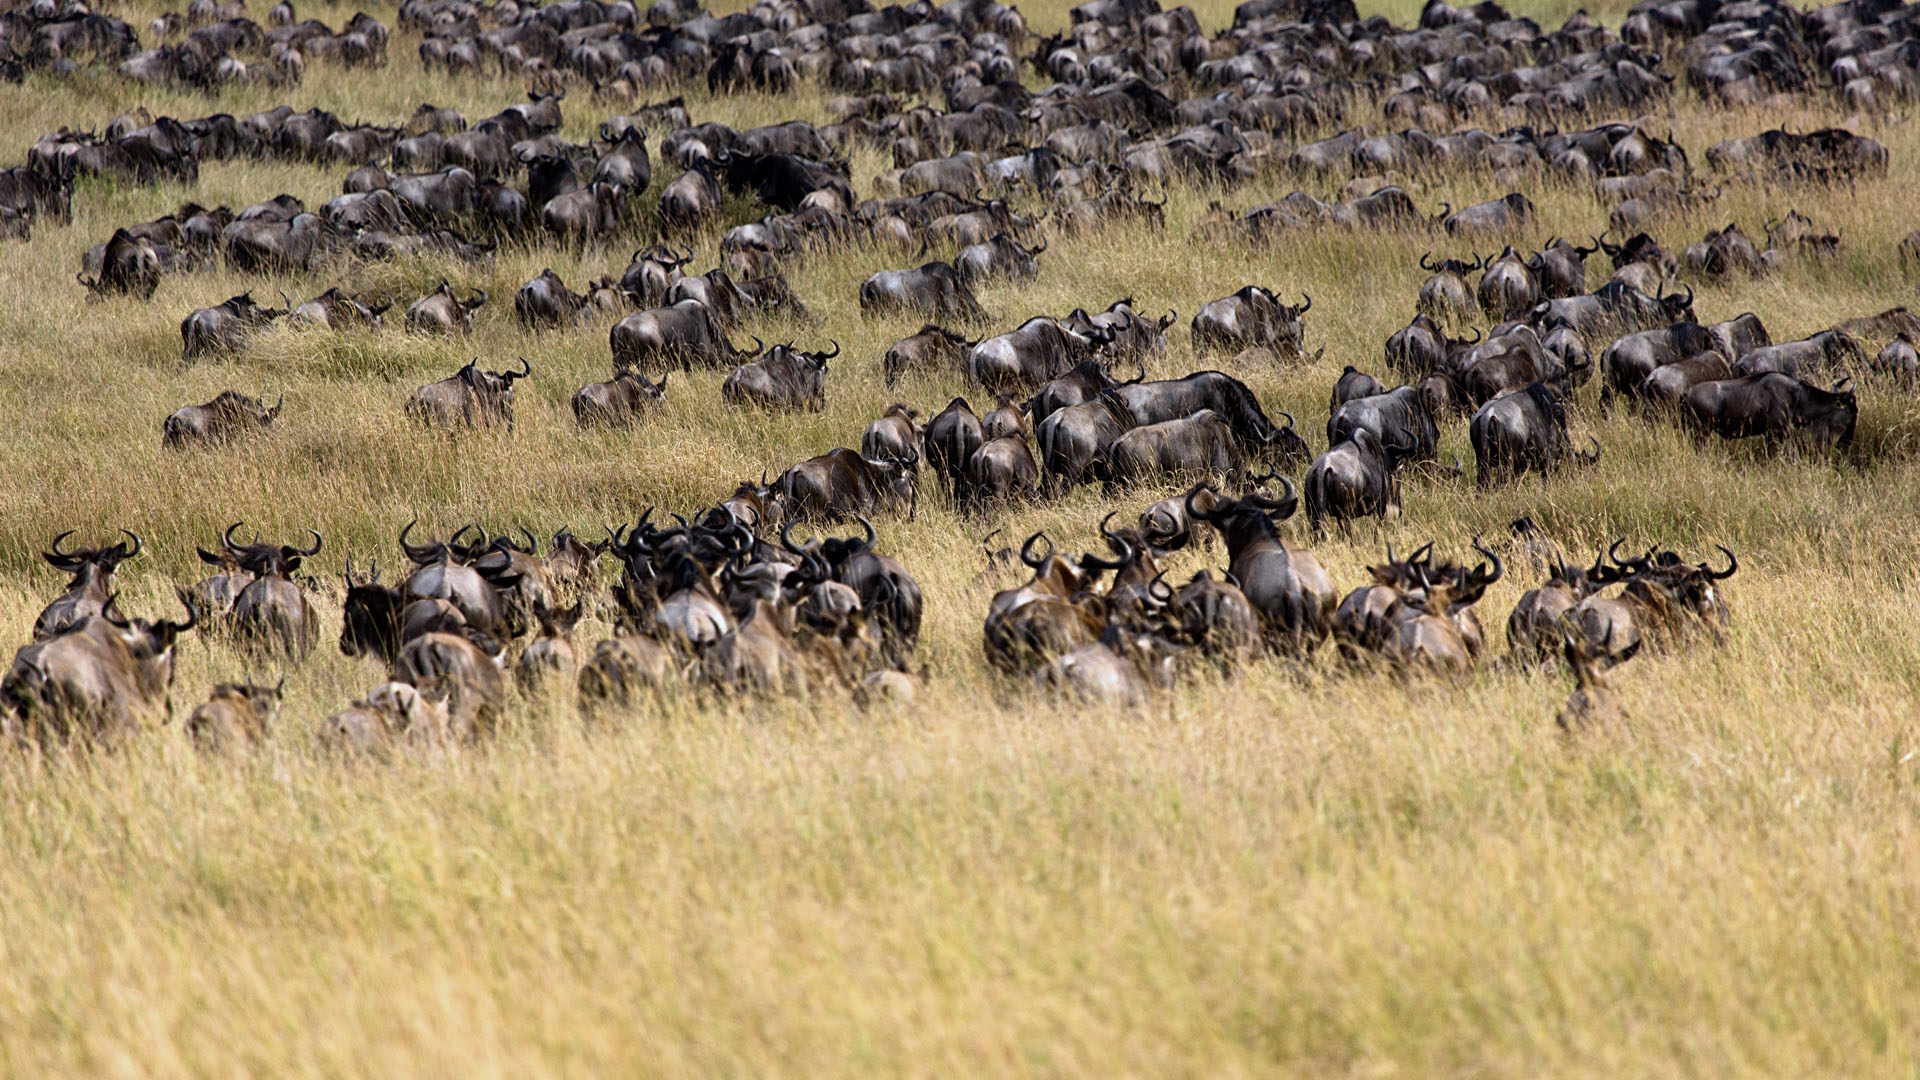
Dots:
pixel 1300 871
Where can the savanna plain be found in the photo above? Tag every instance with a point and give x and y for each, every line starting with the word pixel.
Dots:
pixel 1298 870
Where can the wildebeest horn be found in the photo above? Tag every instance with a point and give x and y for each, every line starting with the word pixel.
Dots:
pixel 1087 559
pixel 758 347
pixel 1426 262
pixel 1289 417
pixel 1446 208
pixel 1491 576
pixel 532 544
pixel 110 611
pixel 1142 377
pixel 315 549
pixel 1287 502
pixel 834 353
pixel 1308 306
pixel 786 539
pixel 226 538
pixel 55 548
pixel 482 294
pixel 124 552
pixel 526 369
pixel 1026 550
pixel 193 614
pixel 1041 248
pixel 867 526
pixel 1732 565
pixel 1193 511
pixel 1588 251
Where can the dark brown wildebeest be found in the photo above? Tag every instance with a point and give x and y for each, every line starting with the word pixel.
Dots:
pixel 104 678
pixel 234 715
pixel 1002 469
pixel 785 378
pixel 1201 445
pixel 224 327
pixel 1353 383
pixel 1561 268
pixel 840 484
pixel 932 348
pixel 91 587
pixel 440 312
pixel 215 594
pixel 1533 630
pixel 1508 287
pixel 1523 430
pixel 1665 385
pixel 1724 251
pixel 1663 602
pixel 589 215
pixel 465 666
pixel 1774 407
pixel 546 302
pixel 687 333
pixel 620 401
pixel 1049 616
pixel 950 438
pixel 468 398
pixel 1292 595
pixel 1073 441
pixel 227 417
pixel 692 198
pixel 1251 318
pixel 893 437
pixel 933 289
pixel 651 271
pixel 131 267
pixel 1004 419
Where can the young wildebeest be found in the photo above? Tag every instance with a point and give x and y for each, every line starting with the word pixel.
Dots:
pixel 468 398
pixel 786 378
pixel 223 328
pixel 218 421
pixel 234 715
pixel 618 402
pixel 550 655
pixel 440 312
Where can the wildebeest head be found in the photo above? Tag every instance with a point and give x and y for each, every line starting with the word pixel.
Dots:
pixel 1678 308
pixel 493 384
pixel 1458 267
pixel 94 564
pixel 266 560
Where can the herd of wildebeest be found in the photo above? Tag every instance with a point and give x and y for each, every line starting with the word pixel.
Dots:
pixel 727 599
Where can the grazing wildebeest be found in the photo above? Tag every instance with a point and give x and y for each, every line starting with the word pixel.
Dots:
pixel 91 586
pixel 545 301
pixel 104 678
pixel 440 312
pixel 1251 318
pixel 1829 352
pixel 1001 257
pixel 1522 430
pixel 1401 416
pixel 785 378
pixel 618 402
pixel 840 484
pixel 227 417
pixel 934 289
pixel 1497 215
pixel 1203 444
pixel 1775 407
pixel 130 267
pixel 224 327
pixel 687 332
pixel 469 397
pixel 931 348
pixel 951 438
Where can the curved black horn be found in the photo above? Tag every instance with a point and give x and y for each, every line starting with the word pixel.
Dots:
pixel 317 541
pixel 1732 565
pixel 868 527
pixel 1491 576
pixel 1026 550
pixel 137 545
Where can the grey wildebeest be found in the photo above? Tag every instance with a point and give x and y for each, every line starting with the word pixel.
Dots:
pixel 618 402
pixel 893 437
pixel 271 614
pixel 227 417
pixel 1561 268
pixel 1074 441
pixel 1445 294
pixel 545 301
pixel 469 397
pixel 1522 430
pixel 1164 400
pixel 933 289
pixel 932 348
pixel 950 439
pixel 1251 318
pixel 223 327
pixel 1293 597
pixel 1508 286
pixel 686 333
pixel 1829 352
pixel 104 678
pixel 785 378
pixel 1359 477
pixel 1035 352
pixel 999 258
pixel 440 312
pixel 90 587
pixel 1201 445
pixel 1401 416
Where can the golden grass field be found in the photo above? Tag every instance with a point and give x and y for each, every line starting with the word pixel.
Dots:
pixel 1301 871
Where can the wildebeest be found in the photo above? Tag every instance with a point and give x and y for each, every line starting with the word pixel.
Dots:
pixel 545 301
pixel 591 214
pixel 1774 407
pixel 1199 445
pixel 931 348
pixel 550 655
pixel 440 312
pixel 465 666
pixel 1445 294
pixel 950 439
pixel 91 586
pixel 785 378
pixel 1534 626
pixel 1616 306
pixel 227 417
pixel 130 267
pixel 224 327
pixel 1285 584
pixel 1001 257
pixel 1359 477
pixel 1829 352
pixel 234 715
pixel 840 484
pixel 335 310
pixel 103 678
pixel 687 333
pixel 934 289
pixel 893 437
pixel 618 402
pixel 1508 287
pixel 1401 416
pixel 469 397
pixel 1074 440
pixel 272 614
pixel 1163 400
pixel 1497 215
pixel 1522 430
pixel 1353 383
pixel 1252 317
pixel 1036 351
pixel 1561 268
pixel 1662 603
pixel 1001 470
